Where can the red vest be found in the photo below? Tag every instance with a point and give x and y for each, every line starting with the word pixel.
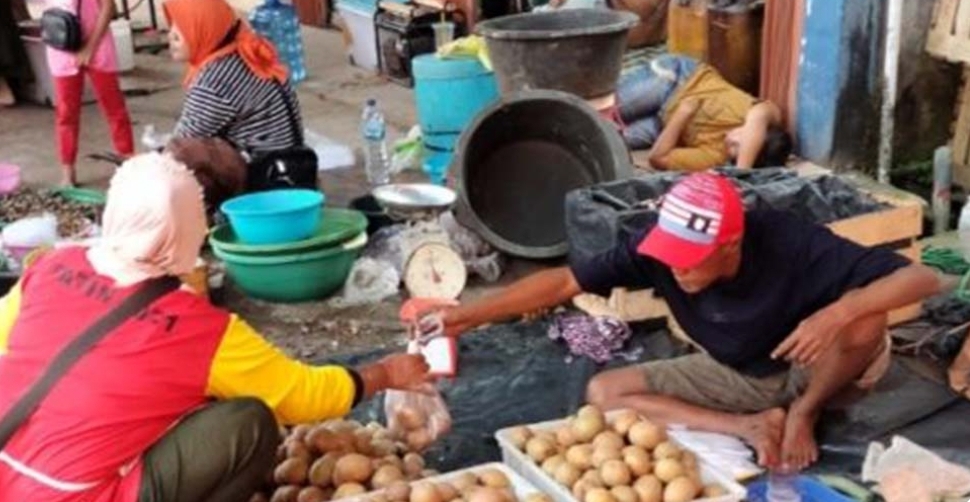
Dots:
pixel 85 441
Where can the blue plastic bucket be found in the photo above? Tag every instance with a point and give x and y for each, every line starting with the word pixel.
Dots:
pixel 436 164
pixel 275 216
pixel 450 92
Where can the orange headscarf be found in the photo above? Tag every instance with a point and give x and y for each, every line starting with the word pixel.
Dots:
pixel 204 24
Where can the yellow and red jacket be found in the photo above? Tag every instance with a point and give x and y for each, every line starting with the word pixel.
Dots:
pixel 85 441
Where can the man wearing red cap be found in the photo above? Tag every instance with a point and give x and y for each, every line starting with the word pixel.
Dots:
pixel 788 315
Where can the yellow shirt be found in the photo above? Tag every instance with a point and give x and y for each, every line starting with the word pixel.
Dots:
pixel 722 108
pixel 246 365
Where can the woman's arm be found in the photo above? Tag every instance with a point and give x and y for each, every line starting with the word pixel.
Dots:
pixel 245 364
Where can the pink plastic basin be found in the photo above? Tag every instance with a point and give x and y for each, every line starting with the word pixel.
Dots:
pixel 9 178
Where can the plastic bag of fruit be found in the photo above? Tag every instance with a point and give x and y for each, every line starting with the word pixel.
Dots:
pixel 418 417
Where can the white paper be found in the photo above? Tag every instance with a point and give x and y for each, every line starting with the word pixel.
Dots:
pixel 440 354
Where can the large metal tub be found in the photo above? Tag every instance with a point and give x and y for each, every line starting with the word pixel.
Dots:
pixel 518 160
pixel 579 51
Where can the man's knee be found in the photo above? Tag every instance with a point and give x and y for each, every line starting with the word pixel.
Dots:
pixel 869 331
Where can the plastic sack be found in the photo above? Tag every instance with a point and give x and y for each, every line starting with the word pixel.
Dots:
pixel 908 472
pixel 418 417
pixel 369 282
pixel 31 232
pixel 408 152
pixel 387 245
pixel 153 140
pixel 479 256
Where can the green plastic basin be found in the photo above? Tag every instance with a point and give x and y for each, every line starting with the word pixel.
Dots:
pixel 336 226
pixel 296 277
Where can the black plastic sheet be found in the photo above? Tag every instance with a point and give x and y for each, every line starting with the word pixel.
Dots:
pixel 513 374
pixel 602 215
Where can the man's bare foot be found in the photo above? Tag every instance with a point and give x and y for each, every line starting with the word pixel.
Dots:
pixel 763 432
pixel 798 448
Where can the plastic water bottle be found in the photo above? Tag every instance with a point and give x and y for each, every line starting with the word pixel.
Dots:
pixel 374 130
pixel 280 24
pixel 781 488
pixel 963 229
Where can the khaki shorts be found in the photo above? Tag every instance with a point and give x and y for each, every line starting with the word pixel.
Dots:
pixel 700 380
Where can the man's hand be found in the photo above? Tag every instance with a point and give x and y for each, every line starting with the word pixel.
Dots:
pixel 813 337
pixel 404 371
pixel 84 55
pixel 455 321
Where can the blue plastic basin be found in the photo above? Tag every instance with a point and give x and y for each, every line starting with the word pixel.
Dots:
pixel 275 216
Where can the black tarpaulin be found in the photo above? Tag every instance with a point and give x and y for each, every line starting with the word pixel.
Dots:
pixel 513 374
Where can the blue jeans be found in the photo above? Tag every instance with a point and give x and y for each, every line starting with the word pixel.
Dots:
pixel 642 95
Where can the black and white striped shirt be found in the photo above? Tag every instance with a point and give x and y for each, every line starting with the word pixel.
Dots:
pixel 227 100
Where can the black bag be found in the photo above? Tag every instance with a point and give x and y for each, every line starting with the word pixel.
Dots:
pixel 294 167
pixel 61 29
pixel 130 307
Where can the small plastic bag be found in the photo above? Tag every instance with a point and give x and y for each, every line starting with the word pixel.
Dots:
pixel 418 417
pixel 408 152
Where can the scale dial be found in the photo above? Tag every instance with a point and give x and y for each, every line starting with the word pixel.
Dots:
pixel 435 270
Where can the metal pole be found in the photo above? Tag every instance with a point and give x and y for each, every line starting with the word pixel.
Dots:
pixel 894 19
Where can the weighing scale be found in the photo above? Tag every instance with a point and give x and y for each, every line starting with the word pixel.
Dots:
pixel 432 269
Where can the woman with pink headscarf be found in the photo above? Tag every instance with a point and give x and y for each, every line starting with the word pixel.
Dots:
pixel 179 403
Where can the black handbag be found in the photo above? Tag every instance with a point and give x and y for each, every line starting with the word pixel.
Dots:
pixel 61 29
pixel 294 167
pixel 24 407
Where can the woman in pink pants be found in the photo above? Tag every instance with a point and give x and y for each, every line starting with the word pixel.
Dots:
pixel 98 61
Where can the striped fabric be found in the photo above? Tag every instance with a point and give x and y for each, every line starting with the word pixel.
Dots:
pixel 228 101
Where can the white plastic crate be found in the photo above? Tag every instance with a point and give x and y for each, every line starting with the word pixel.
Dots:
pixel 522 487
pixel 521 463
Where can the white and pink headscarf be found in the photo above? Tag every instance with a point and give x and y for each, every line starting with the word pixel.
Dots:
pixel 154 221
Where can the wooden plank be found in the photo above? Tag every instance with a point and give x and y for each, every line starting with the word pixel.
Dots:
pixel 881 227
pixel 962 25
pixel 939 32
pixel 949 34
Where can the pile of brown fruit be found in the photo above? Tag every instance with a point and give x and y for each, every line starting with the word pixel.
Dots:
pixel 338 459
pixel 628 459
pixel 485 485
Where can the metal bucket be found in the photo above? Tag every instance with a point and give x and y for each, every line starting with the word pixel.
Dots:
pixel 520 157
pixel 579 51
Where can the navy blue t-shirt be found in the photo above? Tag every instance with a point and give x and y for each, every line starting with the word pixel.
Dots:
pixel 790 269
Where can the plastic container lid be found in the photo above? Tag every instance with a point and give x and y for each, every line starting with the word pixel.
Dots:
pixel 430 66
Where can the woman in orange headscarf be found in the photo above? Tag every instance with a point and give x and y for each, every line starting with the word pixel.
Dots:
pixel 237 89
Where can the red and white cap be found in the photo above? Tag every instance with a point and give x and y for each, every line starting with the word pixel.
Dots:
pixel 698 214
